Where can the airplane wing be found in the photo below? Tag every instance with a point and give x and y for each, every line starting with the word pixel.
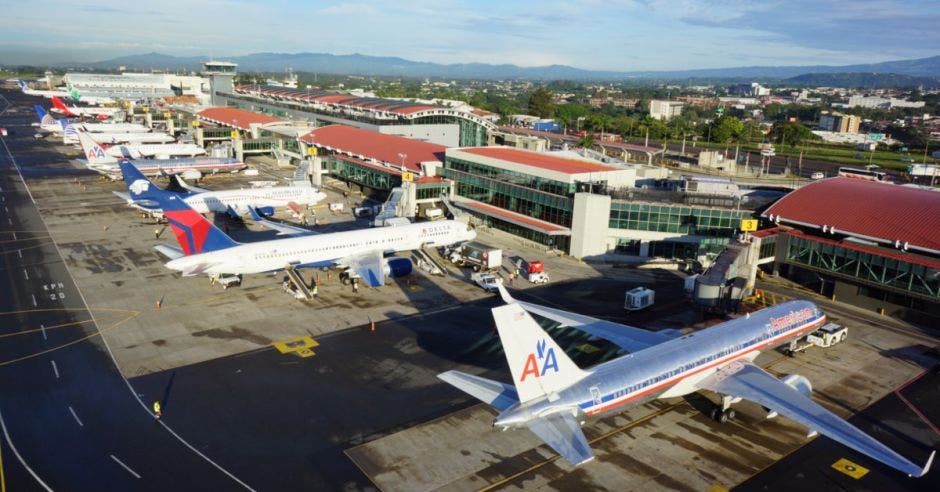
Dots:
pixel 186 186
pixel 280 227
pixel 745 380
pixel 562 432
pixel 629 338
pixel 495 394
pixel 368 266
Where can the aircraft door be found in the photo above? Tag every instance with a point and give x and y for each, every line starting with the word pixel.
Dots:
pixel 596 395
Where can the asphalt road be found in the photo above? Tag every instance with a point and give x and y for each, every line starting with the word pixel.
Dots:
pixel 69 419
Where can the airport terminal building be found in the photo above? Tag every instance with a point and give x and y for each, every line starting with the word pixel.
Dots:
pixel 435 124
pixel 871 244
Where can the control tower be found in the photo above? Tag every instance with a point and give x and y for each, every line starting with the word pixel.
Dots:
pixel 221 79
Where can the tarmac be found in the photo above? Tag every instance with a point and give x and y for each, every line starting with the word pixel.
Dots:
pixel 341 392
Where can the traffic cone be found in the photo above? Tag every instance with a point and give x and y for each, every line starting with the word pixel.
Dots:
pixel 371 325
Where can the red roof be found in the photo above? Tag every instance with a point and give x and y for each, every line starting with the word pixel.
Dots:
pixel 773 231
pixel 633 147
pixel 236 118
pixel 523 220
pixel 370 165
pixel 862 208
pixel 540 160
pixel 375 145
pixel 392 106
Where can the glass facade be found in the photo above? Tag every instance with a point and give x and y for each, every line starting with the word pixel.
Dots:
pixel 526 201
pixel 558 242
pixel 425 191
pixel 365 176
pixel 676 219
pixel 882 270
pixel 521 179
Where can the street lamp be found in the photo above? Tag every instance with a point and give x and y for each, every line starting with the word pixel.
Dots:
pixel 402 155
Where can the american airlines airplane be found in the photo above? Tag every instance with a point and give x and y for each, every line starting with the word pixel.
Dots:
pixel 113 138
pixel 100 161
pixel 47 94
pixel 77 112
pixel 123 151
pixel 361 253
pixel 234 202
pixel 551 395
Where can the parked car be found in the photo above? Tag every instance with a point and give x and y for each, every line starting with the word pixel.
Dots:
pixel 486 280
pixel 818 175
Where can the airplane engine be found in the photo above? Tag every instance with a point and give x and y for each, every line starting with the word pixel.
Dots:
pixel 191 174
pixel 397 267
pixel 265 211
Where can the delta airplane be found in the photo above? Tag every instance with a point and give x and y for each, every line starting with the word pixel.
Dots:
pixel 552 396
pixel 78 112
pixel 234 202
pixel 47 94
pixel 74 94
pixel 361 253
pixel 100 161
pixel 124 151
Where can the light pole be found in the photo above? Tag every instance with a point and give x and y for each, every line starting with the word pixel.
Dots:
pixel 402 155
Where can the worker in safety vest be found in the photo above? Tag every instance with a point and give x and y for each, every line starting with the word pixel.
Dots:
pixel 314 290
pixel 156 410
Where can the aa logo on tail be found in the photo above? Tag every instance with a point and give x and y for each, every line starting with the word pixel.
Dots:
pixel 96 152
pixel 545 356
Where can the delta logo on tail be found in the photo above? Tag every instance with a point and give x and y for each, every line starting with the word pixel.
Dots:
pixel 542 354
pixel 190 229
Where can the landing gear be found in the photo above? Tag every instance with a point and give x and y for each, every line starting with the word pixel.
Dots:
pixel 723 412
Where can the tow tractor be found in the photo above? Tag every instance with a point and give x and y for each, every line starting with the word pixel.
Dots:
pixel 826 336
pixel 535 272
pixel 225 280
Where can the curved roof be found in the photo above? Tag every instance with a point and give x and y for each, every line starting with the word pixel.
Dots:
pixel 236 118
pixel 866 209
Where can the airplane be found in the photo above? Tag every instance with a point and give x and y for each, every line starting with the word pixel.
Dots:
pixel 203 248
pixel 160 151
pixel 47 94
pixel 233 202
pixel 103 162
pixel 77 96
pixel 78 112
pixel 70 136
pixel 551 395
pixel 60 125
pixel 47 123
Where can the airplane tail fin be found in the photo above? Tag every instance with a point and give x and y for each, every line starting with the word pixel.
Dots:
pixel 40 112
pixel 539 366
pixel 194 233
pixel 93 151
pixel 60 105
pixel 138 186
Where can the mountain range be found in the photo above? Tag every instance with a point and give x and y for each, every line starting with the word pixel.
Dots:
pixel 357 64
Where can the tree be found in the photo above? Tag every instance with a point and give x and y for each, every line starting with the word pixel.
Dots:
pixel 586 142
pixel 541 103
pixel 726 129
pixel 788 133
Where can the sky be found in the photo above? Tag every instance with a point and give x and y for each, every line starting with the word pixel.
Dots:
pixel 618 35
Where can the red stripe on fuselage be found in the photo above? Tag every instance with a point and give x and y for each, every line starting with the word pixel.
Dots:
pixel 629 398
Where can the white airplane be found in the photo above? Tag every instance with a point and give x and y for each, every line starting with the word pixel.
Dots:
pixel 74 94
pixel 49 124
pixel 78 112
pixel 361 253
pixel 262 201
pixel 551 395
pixel 133 151
pixel 70 136
pixel 47 94
pixel 101 161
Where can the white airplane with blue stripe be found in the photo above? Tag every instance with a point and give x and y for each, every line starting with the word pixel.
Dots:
pixel 551 395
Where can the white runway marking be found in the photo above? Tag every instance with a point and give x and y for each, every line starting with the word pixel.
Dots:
pixel 20 252
pixel 55 369
pixel 26 274
pixel 76 416
pixel 6 436
pixel 35 304
pixel 44 337
pixel 132 472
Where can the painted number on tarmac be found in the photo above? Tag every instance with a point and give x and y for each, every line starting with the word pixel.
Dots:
pixel 299 346
pixel 853 470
